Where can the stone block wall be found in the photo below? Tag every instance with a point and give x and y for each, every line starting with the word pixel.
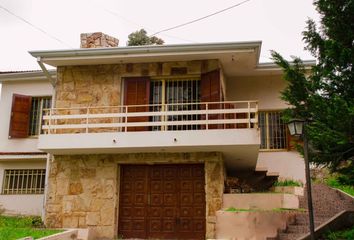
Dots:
pixel 83 190
pixel 101 85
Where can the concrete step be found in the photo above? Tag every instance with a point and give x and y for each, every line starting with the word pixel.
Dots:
pixel 289 236
pixel 297 229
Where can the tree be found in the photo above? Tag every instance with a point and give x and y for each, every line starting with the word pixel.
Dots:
pixel 140 37
pixel 325 95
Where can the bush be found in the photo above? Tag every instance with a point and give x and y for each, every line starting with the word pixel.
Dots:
pixel 287 183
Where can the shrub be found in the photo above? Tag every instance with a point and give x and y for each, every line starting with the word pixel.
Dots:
pixel 287 183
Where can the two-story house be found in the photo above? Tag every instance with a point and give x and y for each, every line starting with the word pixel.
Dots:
pixel 141 139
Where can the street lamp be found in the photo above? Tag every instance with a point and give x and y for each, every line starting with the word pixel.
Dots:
pixel 297 127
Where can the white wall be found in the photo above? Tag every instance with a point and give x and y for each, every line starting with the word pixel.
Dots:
pixel 32 88
pixel 289 164
pixel 265 89
pixel 23 204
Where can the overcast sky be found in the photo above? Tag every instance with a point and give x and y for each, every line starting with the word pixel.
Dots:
pixel 277 23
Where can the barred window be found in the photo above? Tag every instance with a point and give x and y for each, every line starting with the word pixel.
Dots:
pixel 37 108
pixel 23 181
pixel 273 131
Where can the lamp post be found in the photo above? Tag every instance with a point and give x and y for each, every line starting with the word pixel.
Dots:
pixel 297 128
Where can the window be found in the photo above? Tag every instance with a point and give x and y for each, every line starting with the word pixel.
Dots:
pixel 26 115
pixel 273 131
pixel 38 105
pixel 23 181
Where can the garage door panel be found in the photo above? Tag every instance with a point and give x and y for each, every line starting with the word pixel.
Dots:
pixel 126 199
pixel 185 173
pixel 170 173
pixel 169 199
pixel 186 225
pixel 186 199
pixel 169 212
pixel 198 172
pixel 140 199
pixel 186 212
pixel 140 186
pixel 168 225
pixel 169 186
pixel 198 198
pixel 157 173
pixel 198 186
pixel 198 212
pixel 186 185
pixel 156 186
pixel 156 199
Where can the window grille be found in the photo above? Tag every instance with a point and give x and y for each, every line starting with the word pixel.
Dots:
pixel 175 92
pixel 273 131
pixel 23 181
pixel 37 108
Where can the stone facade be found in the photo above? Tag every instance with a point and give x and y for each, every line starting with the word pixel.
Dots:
pixel 101 85
pixel 83 190
pixel 97 40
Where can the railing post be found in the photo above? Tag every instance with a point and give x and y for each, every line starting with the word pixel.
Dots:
pixel 207 116
pixel 50 121
pixel 249 114
pixel 126 118
pixel 163 116
pixel 256 116
pixel 87 118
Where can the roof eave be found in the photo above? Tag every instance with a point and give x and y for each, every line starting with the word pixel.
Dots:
pixel 145 51
pixel 26 76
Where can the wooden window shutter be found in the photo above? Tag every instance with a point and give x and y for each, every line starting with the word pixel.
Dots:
pixel 211 92
pixel 20 116
pixel 211 87
pixel 137 92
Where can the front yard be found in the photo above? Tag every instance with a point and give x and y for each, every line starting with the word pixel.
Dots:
pixel 19 227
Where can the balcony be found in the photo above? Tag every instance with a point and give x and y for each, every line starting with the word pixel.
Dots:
pixel 228 127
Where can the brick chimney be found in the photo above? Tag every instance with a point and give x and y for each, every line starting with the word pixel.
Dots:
pixel 97 40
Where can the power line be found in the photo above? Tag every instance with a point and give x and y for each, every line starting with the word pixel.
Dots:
pixel 144 27
pixel 201 18
pixel 34 26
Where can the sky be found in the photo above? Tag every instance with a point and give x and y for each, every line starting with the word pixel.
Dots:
pixel 57 24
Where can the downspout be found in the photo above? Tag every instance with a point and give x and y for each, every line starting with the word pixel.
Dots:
pixel 53 81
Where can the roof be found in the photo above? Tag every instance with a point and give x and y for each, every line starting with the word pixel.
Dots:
pixel 29 75
pixel 230 54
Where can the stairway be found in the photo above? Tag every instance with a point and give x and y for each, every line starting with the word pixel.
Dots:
pixel 326 203
pixel 259 180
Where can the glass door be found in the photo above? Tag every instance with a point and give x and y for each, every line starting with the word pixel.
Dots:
pixel 175 95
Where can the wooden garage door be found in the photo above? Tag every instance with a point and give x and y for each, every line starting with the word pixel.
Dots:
pixel 162 202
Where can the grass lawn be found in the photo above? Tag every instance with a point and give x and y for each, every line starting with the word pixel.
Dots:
pixel 19 227
pixel 345 234
pixel 333 182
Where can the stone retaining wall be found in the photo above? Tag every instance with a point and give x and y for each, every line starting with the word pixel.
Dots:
pixel 83 190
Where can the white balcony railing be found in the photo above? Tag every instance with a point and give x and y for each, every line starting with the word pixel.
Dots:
pixel 157 117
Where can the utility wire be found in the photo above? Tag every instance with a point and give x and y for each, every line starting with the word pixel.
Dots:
pixel 147 28
pixel 201 18
pixel 34 26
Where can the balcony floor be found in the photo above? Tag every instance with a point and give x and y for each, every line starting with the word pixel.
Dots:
pixel 239 146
